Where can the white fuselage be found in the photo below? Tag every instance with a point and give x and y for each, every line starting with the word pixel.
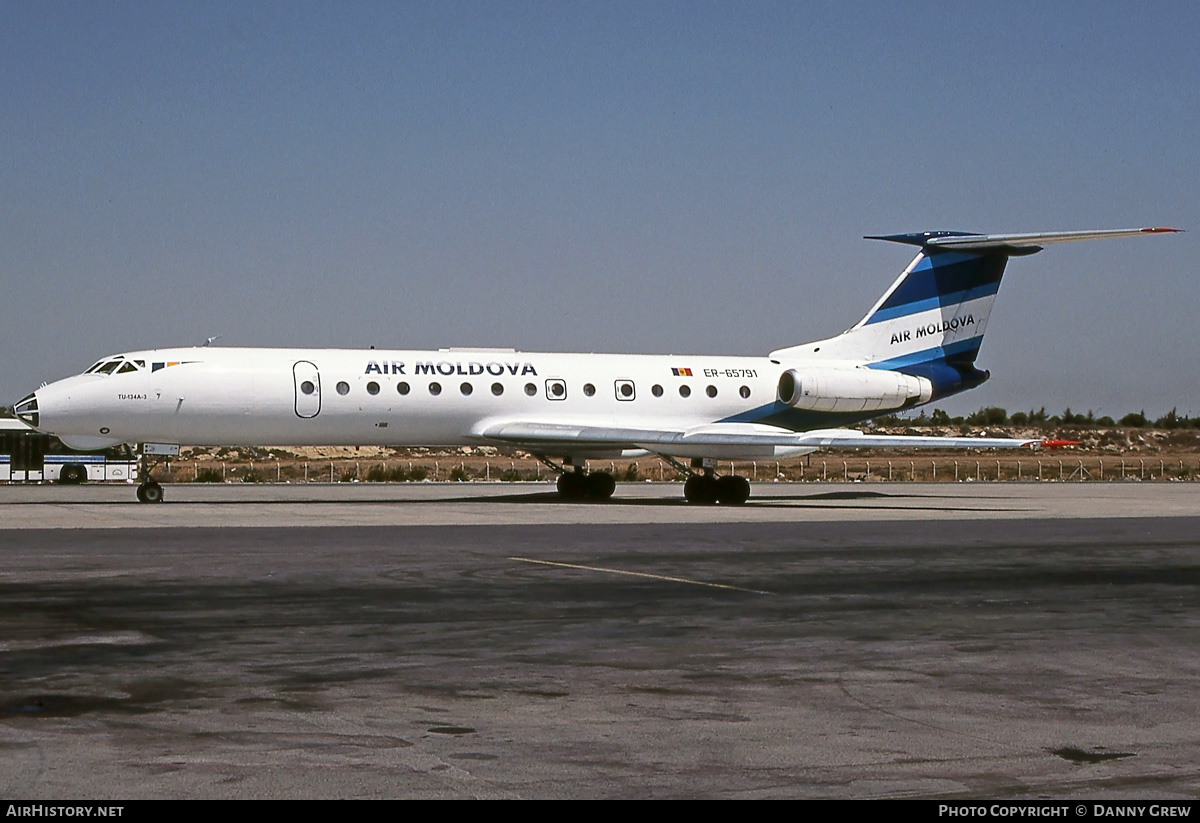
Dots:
pixel 226 396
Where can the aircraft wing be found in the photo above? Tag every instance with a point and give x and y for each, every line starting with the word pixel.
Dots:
pixel 536 434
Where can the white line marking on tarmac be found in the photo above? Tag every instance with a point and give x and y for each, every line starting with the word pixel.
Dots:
pixel 637 574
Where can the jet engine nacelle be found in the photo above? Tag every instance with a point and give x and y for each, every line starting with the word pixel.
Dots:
pixel 851 389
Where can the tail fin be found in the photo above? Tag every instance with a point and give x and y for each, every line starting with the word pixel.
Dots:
pixel 930 322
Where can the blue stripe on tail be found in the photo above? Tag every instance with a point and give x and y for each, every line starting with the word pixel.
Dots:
pixel 942 279
pixel 905 309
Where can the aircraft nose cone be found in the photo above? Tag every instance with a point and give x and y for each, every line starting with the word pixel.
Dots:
pixel 27 410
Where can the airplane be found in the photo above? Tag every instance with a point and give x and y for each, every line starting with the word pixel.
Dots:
pixel 918 343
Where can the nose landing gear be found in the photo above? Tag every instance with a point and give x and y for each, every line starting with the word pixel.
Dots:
pixel 150 492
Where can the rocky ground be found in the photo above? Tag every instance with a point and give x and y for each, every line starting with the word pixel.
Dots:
pixel 1101 454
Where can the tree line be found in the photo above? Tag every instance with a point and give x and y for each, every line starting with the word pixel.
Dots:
pixel 996 416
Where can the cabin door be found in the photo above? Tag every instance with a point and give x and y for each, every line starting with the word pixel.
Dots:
pixel 308 389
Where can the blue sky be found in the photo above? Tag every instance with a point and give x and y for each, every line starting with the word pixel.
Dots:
pixel 632 177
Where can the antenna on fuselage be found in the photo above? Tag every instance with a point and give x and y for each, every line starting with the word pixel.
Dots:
pixel 212 340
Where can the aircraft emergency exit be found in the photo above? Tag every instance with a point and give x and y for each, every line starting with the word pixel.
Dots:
pixel 918 343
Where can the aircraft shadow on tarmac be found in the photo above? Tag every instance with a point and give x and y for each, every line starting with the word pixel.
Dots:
pixel 867 500
pixel 774 501
pixel 872 500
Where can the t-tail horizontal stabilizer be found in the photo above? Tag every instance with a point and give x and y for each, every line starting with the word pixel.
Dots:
pixel 929 324
pixel 1012 245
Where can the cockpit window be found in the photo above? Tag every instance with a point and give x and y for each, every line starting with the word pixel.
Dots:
pixel 117 365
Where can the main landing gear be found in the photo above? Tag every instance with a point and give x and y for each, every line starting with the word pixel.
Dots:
pixel 703 488
pixel 706 489
pixel 574 483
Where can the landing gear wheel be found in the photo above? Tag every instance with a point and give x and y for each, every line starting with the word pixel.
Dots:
pixel 150 493
pixel 572 485
pixel 700 490
pixel 600 485
pixel 733 490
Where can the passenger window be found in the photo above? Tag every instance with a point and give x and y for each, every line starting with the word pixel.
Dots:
pixel 497 389
pixel 466 388
pixel 624 389
pixel 656 390
pixel 435 388
pixel 685 390
pixel 588 389
pixel 711 391
pixel 530 389
pixel 343 387
pixel 556 389
pixel 372 388
pixel 307 387
pixel 744 391
pixel 402 387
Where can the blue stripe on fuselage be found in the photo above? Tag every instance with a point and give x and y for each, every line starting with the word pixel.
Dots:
pixel 945 378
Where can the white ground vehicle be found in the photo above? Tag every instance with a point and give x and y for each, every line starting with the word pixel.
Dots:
pixel 28 455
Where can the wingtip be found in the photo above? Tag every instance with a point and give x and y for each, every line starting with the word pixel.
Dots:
pixel 1054 444
pixel 1162 230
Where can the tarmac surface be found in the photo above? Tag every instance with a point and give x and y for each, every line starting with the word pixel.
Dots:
pixel 957 641
pixel 438 504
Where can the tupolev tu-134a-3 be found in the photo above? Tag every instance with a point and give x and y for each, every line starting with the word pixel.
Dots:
pixel 918 343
